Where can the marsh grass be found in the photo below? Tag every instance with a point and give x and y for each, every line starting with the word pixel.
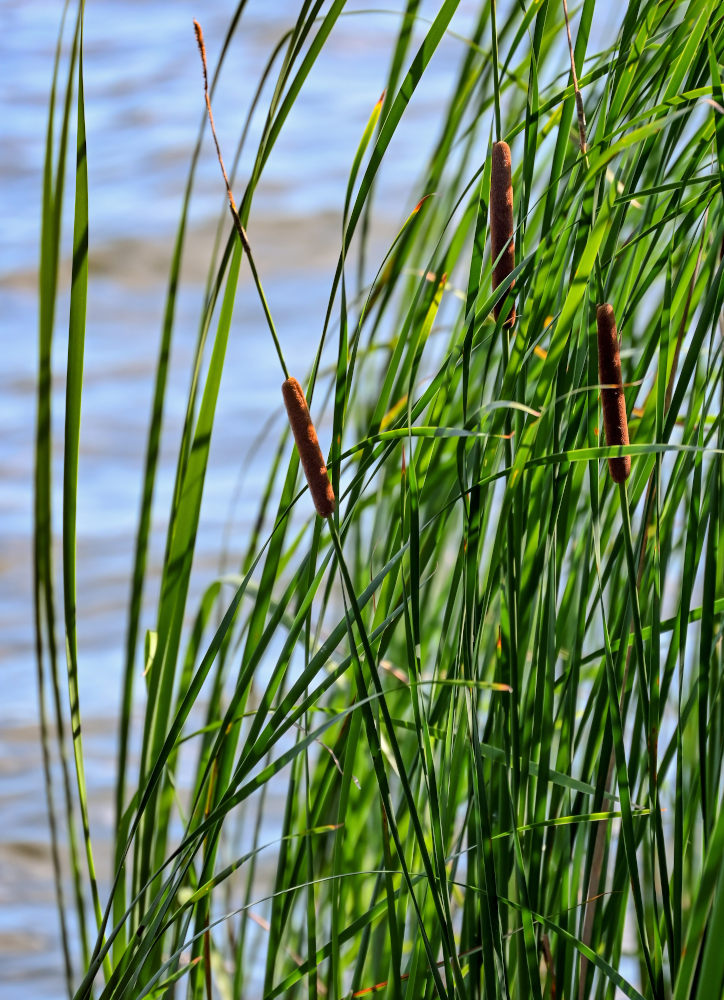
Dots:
pixel 492 695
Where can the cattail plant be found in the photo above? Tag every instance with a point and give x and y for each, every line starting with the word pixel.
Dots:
pixel 310 454
pixel 391 642
pixel 502 247
pixel 305 436
pixel 612 397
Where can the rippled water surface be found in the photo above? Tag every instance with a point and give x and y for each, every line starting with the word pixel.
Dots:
pixel 144 105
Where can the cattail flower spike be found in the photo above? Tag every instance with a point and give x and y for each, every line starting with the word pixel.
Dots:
pixel 310 454
pixel 613 400
pixel 501 224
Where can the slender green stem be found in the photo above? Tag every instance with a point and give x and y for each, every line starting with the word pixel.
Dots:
pixel 496 70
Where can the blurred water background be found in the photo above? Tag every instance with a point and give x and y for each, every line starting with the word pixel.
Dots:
pixel 144 104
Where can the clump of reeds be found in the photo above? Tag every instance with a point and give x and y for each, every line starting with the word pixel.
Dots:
pixel 502 246
pixel 612 396
pixel 310 454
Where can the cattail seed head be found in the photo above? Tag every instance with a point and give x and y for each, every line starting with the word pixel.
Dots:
pixel 501 223
pixel 613 400
pixel 310 454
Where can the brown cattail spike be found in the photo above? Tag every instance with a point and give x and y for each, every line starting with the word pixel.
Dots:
pixel 501 223
pixel 612 397
pixel 310 454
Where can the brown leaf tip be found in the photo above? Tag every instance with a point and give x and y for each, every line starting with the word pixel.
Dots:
pixel 307 442
pixel 421 202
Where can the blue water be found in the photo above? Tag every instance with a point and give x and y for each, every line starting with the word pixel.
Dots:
pixel 144 104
